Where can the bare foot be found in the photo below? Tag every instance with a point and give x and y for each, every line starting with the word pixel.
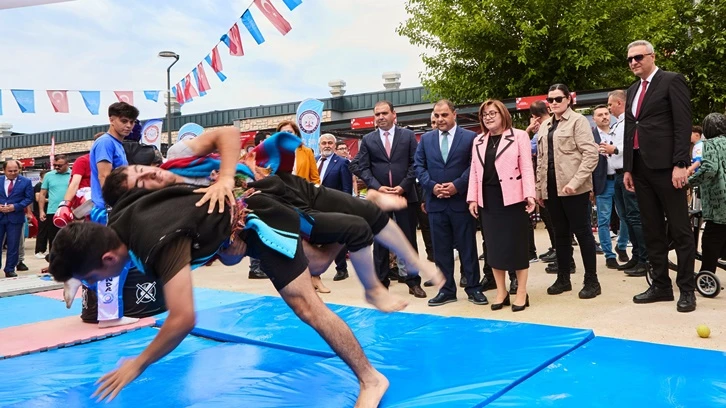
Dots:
pixel 386 202
pixel 372 392
pixel 384 301
pixel 70 288
pixel 102 324
pixel 319 286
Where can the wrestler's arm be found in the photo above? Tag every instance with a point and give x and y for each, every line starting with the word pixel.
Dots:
pixel 180 322
pixel 226 141
pixel 73 187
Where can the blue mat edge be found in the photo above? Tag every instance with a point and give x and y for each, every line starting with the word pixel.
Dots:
pixel 536 370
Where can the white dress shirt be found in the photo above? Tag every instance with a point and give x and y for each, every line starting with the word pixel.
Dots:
pixel 7 184
pixel 607 139
pixel 450 138
pixel 640 89
pixel 617 138
pixel 390 131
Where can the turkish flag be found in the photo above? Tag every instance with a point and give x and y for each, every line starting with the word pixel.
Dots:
pixel 125 96
pixel 59 100
pixel 189 91
pixel 202 83
pixel 274 16
pixel 180 94
pixel 235 42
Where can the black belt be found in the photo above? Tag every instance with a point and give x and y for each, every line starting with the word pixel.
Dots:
pixel 611 177
pixel 619 171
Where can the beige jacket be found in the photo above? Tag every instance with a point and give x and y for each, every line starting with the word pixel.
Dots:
pixel 575 152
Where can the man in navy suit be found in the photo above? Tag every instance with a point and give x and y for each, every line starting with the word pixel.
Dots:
pixel 14 197
pixel 385 163
pixel 442 165
pixel 334 173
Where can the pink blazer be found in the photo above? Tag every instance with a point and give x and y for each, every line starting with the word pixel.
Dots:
pixel 513 163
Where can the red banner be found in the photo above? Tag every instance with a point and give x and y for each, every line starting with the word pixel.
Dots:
pixel 363 123
pixel 30 162
pixel 247 140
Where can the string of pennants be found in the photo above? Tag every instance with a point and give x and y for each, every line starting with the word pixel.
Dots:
pixel 25 98
pixel 185 90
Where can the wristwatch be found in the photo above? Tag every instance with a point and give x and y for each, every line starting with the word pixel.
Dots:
pixel 681 164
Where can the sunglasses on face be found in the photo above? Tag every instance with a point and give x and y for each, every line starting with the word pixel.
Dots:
pixel 637 58
pixel 557 99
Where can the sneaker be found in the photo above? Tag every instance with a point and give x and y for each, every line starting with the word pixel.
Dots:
pixel 547 254
pixel 534 259
pixel 39 255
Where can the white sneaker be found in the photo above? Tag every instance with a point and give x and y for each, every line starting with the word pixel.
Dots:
pixel 40 255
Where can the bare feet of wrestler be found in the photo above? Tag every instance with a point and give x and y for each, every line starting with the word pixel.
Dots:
pixel 386 202
pixel 384 301
pixel 319 285
pixel 371 392
pixel 70 288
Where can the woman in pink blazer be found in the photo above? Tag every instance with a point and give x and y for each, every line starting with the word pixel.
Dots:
pixel 501 192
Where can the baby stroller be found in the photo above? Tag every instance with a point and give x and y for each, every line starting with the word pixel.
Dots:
pixel 707 283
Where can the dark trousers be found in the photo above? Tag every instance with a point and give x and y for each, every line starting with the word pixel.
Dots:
pixel 340 261
pixel 570 215
pixel 713 245
pixel 626 204
pixel 51 229
pixel 656 196
pixel 532 246
pixel 423 223
pixel 11 232
pixel 41 240
pixel 451 230
pixel 406 220
pixel 547 220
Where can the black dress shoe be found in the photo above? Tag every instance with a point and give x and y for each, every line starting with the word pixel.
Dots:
pixel 340 275
pixel 686 302
pixel 654 294
pixel 429 283
pixel 598 249
pixel 629 265
pixel 553 268
pixel 590 290
pixel 417 291
pixel 549 257
pixel 611 263
pixel 257 274
pixel 547 254
pixel 11 275
pixel 463 282
pixel 559 287
pixel 622 255
pixel 499 306
pixel 513 286
pixel 21 267
pixel 519 308
pixel 488 284
pixel 442 299
pixel 401 279
pixel 478 298
pixel 639 270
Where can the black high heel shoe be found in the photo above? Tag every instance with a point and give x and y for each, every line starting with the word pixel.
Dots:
pixel 498 306
pixel 517 308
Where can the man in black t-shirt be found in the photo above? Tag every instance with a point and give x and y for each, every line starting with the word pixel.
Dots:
pixel 41 241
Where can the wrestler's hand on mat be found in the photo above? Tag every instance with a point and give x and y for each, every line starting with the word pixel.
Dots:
pixel 530 204
pixel 217 193
pixel 113 382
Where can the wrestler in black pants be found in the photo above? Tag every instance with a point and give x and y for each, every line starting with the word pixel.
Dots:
pixel 656 196
pixel 570 214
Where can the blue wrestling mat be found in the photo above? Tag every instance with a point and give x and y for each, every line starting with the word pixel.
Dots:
pixel 264 356
pixel 25 309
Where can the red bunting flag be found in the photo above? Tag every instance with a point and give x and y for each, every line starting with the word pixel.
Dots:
pixel 266 7
pixel 189 91
pixel 59 100
pixel 179 94
pixel 202 82
pixel 125 96
pixel 235 42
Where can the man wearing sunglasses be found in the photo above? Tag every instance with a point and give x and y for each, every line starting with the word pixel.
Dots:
pixel 656 159
pixel 52 191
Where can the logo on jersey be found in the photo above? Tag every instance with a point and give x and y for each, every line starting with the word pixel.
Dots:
pixel 108 298
pixel 145 292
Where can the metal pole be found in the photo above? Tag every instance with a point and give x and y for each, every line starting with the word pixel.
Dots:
pixel 168 101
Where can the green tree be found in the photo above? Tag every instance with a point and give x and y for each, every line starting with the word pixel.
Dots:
pixel 505 48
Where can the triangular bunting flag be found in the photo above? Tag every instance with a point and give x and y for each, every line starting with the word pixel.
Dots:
pixel 125 96
pixel 25 99
pixel 291 4
pixel 249 23
pixel 233 41
pixel 274 16
pixel 201 78
pixel 214 61
pixel 59 100
pixel 92 99
pixel 178 94
pixel 152 95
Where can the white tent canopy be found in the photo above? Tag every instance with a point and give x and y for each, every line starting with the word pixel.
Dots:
pixel 8 4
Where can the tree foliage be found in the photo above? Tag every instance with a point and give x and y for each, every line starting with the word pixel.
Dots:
pixel 505 48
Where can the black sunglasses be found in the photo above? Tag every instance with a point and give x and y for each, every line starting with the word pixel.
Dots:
pixel 638 57
pixel 557 99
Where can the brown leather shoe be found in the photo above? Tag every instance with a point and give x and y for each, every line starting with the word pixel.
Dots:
pixel 417 291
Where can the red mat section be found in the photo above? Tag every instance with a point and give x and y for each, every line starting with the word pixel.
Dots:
pixel 56 294
pixel 51 334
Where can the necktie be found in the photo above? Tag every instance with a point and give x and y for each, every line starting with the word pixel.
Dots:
pixel 644 87
pixel 387 145
pixel 10 187
pixel 320 166
pixel 445 146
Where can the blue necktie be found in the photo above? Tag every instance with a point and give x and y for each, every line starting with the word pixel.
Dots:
pixel 445 146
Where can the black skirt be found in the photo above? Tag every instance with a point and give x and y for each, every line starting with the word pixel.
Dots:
pixel 505 231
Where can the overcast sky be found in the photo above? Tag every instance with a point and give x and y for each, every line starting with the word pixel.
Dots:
pixel 112 45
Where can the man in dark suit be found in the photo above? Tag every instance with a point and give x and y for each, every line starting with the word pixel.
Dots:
pixel 334 173
pixel 385 163
pixel 17 193
pixel 657 141
pixel 443 158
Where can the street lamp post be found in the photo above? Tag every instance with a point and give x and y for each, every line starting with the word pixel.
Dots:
pixel 169 54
